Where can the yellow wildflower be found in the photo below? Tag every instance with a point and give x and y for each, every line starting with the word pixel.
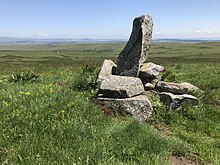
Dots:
pixel 10 97
pixel 5 103
pixel 27 93
pixel 70 104
pixel 51 90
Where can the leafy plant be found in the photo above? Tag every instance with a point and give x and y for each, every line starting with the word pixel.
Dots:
pixel 169 75
pixel 85 79
pixel 26 76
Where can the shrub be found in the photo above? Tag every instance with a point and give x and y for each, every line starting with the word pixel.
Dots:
pixel 25 76
pixel 169 75
pixel 85 79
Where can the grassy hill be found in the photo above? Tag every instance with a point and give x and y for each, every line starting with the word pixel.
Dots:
pixel 47 116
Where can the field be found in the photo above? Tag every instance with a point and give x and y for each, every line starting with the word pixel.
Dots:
pixel 47 116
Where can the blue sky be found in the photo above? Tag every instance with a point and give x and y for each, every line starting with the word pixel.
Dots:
pixel 108 19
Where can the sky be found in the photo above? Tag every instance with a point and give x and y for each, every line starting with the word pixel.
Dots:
pixel 108 19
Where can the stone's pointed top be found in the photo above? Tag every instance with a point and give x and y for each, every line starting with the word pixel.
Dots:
pixel 144 16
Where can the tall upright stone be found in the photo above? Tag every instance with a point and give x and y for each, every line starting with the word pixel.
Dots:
pixel 136 49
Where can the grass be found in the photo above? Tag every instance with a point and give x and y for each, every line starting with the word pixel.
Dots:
pixel 199 126
pixel 52 120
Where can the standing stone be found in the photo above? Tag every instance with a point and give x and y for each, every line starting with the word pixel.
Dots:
pixel 136 49
pixel 107 69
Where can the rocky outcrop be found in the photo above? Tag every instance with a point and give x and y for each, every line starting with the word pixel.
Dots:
pixel 150 71
pixel 121 87
pixel 139 106
pixel 175 101
pixel 171 87
pixel 136 49
pixel 107 69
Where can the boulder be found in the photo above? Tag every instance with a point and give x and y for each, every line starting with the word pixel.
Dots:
pixel 175 101
pixel 107 69
pixel 171 87
pixel 121 87
pixel 136 49
pixel 189 86
pixel 150 71
pixel 139 106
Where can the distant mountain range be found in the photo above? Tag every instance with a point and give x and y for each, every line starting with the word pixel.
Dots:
pixel 53 41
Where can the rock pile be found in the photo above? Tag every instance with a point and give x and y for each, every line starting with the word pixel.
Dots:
pixel 123 85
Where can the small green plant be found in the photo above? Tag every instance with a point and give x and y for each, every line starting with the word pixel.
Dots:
pixel 169 75
pixel 85 79
pixel 26 76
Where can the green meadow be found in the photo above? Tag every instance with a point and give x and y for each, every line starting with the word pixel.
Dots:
pixel 47 113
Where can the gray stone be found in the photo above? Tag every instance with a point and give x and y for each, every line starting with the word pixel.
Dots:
pixel 139 106
pixel 121 87
pixel 148 86
pixel 136 49
pixel 189 87
pixel 107 69
pixel 175 101
pixel 171 87
pixel 150 71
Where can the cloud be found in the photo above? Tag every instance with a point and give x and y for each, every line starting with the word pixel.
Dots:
pixel 198 31
pixel 42 34
pixel 158 32
pixel 208 31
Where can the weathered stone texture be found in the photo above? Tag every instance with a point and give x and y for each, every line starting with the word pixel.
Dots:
pixel 139 106
pixel 148 86
pixel 189 87
pixel 136 49
pixel 150 71
pixel 121 87
pixel 171 87
pixel 107 69
pixel 175 101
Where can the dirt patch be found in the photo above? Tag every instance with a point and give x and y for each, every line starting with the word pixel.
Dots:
pixel 174 160
pixel 163 130
pixel 109 111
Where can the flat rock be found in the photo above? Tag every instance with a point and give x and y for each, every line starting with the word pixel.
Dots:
pixel 121 87
pixel 136 49
pixel 150 71
pixel 171 87
pixel 107 69
pixel 175 101
pixel 189 86
pixel 139 106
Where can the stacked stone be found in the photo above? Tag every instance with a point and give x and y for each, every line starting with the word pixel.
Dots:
pixel 123 85
pixel 172 94
pixel 120 86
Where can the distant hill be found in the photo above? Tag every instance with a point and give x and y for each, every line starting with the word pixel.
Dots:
pixel 53 41
pixel 185 40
